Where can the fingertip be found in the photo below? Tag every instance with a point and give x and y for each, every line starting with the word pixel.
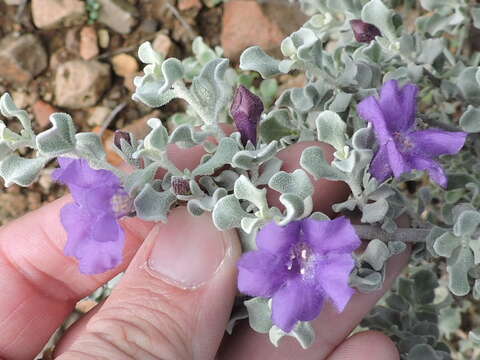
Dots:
pixel 367 345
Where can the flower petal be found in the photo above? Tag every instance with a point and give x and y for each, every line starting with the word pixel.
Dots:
pixel 332 275
pixel 277 239
pixel 331 236
pixel 76 222
pixel 433 168
pixel 79 173
pixel 380 167
pixel 94 256
pixel 396 160
pixel 369 110
pixel 434 142
pixel 260 273
pixel 106 228
pixel 295 301
pixel 399 106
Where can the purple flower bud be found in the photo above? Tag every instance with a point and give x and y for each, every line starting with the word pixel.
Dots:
pixel 181 186
pixel 364 32
pixel 246 110
pixel 119 134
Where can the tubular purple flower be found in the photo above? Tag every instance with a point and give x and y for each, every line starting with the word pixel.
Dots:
pixel 364 32
pixel 246 110
pixel 402 148
pixel 300 266
pixel 95 236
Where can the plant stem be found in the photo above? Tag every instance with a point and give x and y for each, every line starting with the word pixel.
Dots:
pixel 407 235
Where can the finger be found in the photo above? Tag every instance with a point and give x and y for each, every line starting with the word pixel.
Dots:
pixel 174 300
pixel 330 328
pixel 367 345
pixel 40 285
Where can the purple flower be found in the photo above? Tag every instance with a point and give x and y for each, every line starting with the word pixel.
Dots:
pixel 246 110
pixel 364 32
pixel 95 237
pixel 402 148
pixel 299 266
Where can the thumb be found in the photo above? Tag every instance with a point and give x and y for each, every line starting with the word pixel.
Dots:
pixel 174 300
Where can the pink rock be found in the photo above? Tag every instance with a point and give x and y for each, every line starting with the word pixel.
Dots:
pixel 88 43
pixel 245 25
pixel 42 111
pixel 49 14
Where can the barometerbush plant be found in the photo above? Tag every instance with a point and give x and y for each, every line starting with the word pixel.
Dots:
pixel 393 100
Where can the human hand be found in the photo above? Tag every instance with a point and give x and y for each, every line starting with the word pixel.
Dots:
pixel 174 300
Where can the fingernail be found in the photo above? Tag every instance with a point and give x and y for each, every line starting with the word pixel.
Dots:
pixel 187 251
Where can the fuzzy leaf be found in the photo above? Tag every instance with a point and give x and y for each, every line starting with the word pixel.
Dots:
pixel 375 12
pixel 90 145
pixel 457 266
pixel 185 136
pixel 331 129
pixel 446 243
pixel 211 90
pixel 470 120
pixel 21 171
pixel 227 148
pixel 249 159
pixel 313 161
pixel 467 223
pixel 245 190
pixel 228 213
pixel 375 212
pixel 254 58
pixel 259 314
pixel 152 205
pixel 376 254
pixel 60 139
pixel 468 84
pixel 297 183
pixel 303 332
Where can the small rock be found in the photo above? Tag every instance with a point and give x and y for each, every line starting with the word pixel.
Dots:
pixel 98 115
pixel 42 112
pixel 189 4
pixel 45 180
pixel 72 40
pixel 119 15
pixel 21 58
pixel 163 44
pixel 34 200
pixel 247 23
pixel 13 2
pixel 80 83
pixel 23 99
pixel 149 26
pixel 124 65
pixel 13 205
pixel 88 43
pixel 49 14
pixel 103 38
pixel 85 305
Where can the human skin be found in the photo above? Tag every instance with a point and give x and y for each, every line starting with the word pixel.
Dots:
pixel 149 316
